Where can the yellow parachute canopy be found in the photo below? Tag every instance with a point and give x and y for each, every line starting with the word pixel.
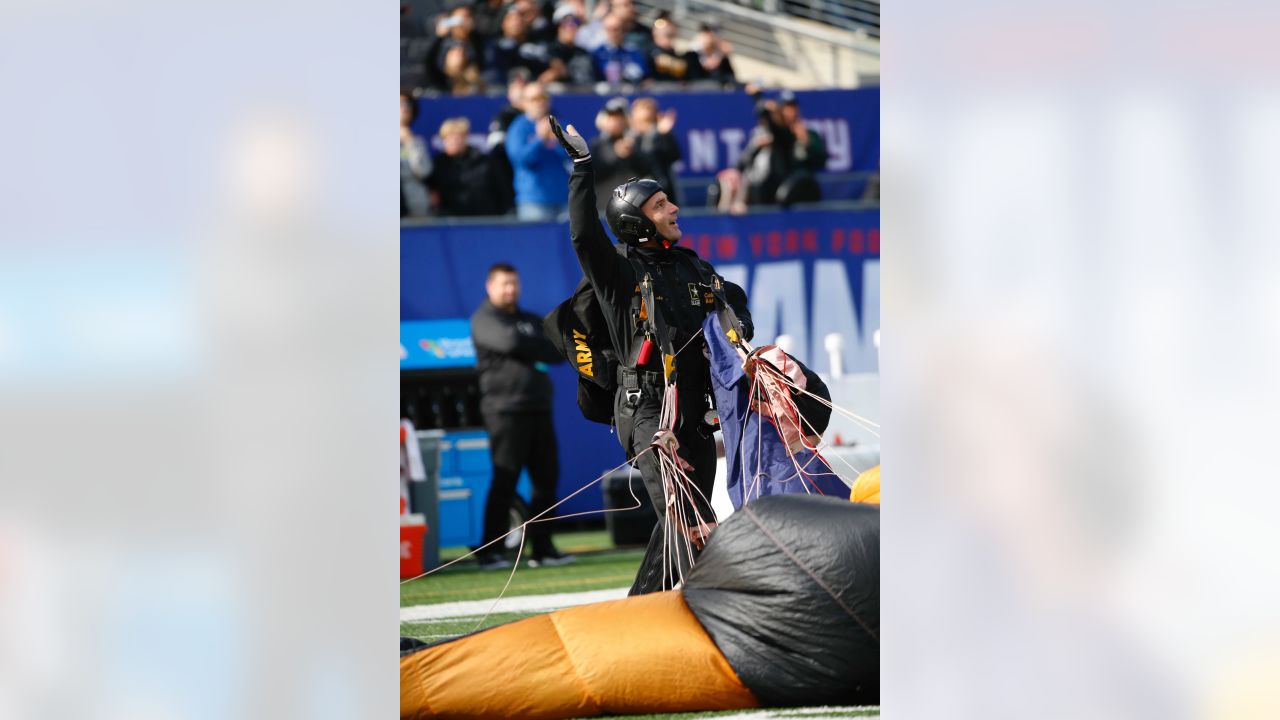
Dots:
pixel 866 489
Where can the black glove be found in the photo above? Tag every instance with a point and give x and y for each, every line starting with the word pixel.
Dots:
pixel 571 141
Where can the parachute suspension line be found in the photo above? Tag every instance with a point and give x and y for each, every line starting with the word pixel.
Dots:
pixel 510 576
pixel 772 402
pixel 679 525
pixel 539 518
pixel 754 485
pixel 865 423
pixel 824 445
pixel 768 381
pixel 785 415
pixel 523 526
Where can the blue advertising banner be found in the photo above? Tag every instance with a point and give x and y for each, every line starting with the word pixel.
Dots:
pixel 429 344
pixel 712 127
pixel 807 274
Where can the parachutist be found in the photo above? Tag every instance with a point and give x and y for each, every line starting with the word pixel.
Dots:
pixel 650 291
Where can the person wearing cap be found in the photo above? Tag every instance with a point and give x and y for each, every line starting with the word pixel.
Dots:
pixel 646 221
pixel 570 64
pixel 783 155
pixel 808 151
pixel 616 157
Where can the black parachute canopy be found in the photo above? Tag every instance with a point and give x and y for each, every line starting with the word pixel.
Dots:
pixel 789 590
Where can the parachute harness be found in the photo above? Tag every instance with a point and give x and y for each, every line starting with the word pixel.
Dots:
pixel 685 528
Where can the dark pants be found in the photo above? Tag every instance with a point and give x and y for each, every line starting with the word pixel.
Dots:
pixel 666 560
pixel 519 440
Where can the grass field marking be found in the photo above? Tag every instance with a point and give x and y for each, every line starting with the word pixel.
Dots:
pixel 518 603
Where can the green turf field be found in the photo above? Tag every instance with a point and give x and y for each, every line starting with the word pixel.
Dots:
pixel 600 566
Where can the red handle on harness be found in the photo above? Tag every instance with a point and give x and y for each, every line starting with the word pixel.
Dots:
pixel 646 351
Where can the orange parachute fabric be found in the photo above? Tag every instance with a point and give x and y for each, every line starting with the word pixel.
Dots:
pixel 643 654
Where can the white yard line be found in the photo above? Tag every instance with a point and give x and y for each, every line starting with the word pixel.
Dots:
pixel 522 603
pixel 806 712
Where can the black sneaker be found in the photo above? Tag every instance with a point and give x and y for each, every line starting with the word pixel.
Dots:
pixel 492 561
pixel 551 559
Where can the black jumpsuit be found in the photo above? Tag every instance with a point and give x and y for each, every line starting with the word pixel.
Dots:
pixel 683 302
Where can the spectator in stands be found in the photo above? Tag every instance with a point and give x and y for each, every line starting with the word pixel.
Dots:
pixel 616 61
pixel 539 23
pixel 455 51
pixel 503 185
pixel 461 73
pixel 415 163
pixel 783 156
pixel 669 64
pixel 591 35
pixel 516 48
pixel 461 178
pixel 541 181
pixel 655 141
pixel 635 33
pixel 410 24
pixel 713 56
pixel 614 152
pixel 810 150
pixel 415 49
pixel 570 64
pixel 767 159
pixel 488 18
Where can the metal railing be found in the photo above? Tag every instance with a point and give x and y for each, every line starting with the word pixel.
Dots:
pixel 845 14
pixel 759 29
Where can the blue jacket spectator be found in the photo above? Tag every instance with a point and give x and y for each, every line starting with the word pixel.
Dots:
pixel 616 60
pixel 541 181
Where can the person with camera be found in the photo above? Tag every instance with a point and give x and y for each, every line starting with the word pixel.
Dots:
pixel 653 293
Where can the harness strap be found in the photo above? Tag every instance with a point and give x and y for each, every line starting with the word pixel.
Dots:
pixel 728 318
pixel 659 325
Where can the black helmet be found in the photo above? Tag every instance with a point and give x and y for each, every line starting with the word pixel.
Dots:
pixel 623 211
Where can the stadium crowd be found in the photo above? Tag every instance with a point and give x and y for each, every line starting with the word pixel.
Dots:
pixel 520 170
pixel 474 46
pixel 535 49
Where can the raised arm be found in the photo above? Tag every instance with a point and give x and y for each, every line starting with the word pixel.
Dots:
pixel 595 252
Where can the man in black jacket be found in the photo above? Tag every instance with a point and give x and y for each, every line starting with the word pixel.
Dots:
pixel 681 287
pixel 515 399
